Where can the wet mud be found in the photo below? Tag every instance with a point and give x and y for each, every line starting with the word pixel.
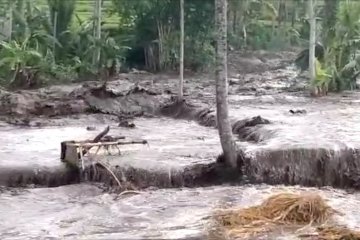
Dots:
pixel 39 177
pixel 207 117
pixel 305 166
pixel 131 178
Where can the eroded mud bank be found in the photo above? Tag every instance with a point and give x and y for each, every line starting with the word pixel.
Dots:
pixel 132 178
pixel 306 167
pixel 34 177
pixel 244 128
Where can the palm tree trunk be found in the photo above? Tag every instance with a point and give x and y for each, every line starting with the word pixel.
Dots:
pixel 97 31
pixel 312 21
pixel 11 19
pixel 328 25
pixel 181 81
pixel 294 15
pixel 223 121
pixel 54 33
pixel 235 21
pixel 279 12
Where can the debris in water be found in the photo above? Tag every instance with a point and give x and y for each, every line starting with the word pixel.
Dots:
pixel 90 128
pixel 302 111
pixel 127 192
pixel 126 124
pixel 280 209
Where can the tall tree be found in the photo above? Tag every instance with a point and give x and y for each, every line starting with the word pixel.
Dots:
pixel 61 13
pixel 181 82
pixel 97 31
pixel 11 18
pixel 226 137
pixel 282 13
pixel 55 31
pixel 234 9
pixel 329 22
pixel 312 21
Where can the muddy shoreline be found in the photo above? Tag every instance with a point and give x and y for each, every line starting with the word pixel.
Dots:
pixel 152 96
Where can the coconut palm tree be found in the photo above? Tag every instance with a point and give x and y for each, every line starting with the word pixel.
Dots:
pixel 223 121
pixel 312 42
pixel 181 80
pixel 97 31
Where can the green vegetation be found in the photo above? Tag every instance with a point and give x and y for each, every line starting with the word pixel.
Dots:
pixel 338 63
pixel 342 54
pixel 54 41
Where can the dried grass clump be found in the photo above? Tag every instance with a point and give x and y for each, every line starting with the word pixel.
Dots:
pixel 296 208
pixel 337 233
pixel 283 208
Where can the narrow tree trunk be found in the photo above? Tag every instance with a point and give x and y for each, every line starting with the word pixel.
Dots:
pixel 294 15
pixel 286 12
pixel 244 35
pixel 181 81
pixel 223 121
pixel 11 18
pixel 235 21
pixel 54 33
pixel 243 7
pixel 312 21
pixel 97 31
pixel 279 12
pixel 328 24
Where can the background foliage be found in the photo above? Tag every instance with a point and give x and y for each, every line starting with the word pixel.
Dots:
pixel 51 41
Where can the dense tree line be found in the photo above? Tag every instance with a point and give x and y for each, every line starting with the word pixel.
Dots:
pixel 50 41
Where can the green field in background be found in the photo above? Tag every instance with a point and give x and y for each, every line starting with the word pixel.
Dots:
pixel 84 10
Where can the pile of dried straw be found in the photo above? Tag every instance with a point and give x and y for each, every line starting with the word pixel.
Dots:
pixel 337 233
pixel 283 208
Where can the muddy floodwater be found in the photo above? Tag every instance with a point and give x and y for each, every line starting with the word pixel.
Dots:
pixel 170 142
pixel 84 211
pixel 330 122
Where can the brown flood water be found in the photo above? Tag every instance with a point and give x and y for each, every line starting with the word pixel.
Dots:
pixel 83 211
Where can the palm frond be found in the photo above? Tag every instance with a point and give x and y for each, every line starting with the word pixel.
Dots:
pixel 269 10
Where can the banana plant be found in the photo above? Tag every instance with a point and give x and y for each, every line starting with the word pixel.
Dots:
pixel 19 61
pixel 83 44
pixel 322 78
pixel 342 50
